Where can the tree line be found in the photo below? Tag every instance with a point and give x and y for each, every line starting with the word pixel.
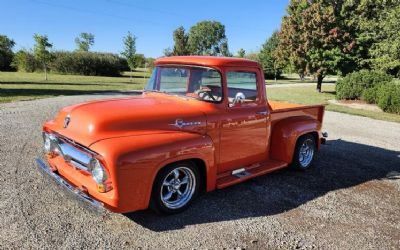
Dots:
pixel 358 40
pixel 316 38
pixel 81 61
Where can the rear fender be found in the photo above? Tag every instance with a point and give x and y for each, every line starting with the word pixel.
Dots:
pixel 286 132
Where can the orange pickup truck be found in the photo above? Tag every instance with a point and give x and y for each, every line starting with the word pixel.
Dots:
pixel 202 123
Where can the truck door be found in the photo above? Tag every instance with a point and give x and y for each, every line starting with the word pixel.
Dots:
pixel 245 125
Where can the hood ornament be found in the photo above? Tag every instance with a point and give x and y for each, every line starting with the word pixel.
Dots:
pixel 179 123
pixel 67 120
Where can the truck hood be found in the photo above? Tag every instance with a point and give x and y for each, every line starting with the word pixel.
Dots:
pixel 148 113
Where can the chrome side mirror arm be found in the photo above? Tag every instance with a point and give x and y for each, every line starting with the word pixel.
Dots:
pixel 239 98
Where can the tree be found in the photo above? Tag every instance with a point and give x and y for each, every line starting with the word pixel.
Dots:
pixel 241 53
pixel 140 60
pixel 252 56
pixel 129 51
pixel 6 53
pixel 268 57
pixel 224 50
pixel 208 38
pixel 168 52
pixel 149 63
pixel 312 38
pixel 290 50
pixel 362 20
pixel 84 41
pixel 386 51
pixel 41 52
pixel 180 42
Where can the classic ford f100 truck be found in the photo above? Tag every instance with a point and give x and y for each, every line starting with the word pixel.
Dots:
pixel 202 123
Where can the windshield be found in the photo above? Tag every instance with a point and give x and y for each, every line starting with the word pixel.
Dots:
pixel 196 82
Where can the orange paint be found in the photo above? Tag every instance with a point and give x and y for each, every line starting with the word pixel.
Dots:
pixel 137 136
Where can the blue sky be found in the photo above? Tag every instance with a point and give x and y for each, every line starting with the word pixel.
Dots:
pixel 247 23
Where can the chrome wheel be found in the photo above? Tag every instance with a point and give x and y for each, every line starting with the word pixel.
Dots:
pixel 306 153
pixel 178 187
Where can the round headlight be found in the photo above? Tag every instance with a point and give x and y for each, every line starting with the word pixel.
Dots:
pixel 47 142
pixel 98 173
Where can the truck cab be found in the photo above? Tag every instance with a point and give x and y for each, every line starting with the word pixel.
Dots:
pixel 201 123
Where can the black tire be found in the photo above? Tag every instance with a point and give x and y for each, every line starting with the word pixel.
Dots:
pixel 183 193
pixel 303 161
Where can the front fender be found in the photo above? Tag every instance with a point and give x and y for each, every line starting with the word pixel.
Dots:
pixel 134 162
pixel 286 132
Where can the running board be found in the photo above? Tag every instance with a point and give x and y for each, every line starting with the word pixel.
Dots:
pixel 242 174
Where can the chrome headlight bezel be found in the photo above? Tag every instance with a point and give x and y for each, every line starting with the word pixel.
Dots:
pixel 98 171
pixel 49 141
pixel 46 142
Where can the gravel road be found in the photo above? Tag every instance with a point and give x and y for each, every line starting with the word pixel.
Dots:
pixel 349 200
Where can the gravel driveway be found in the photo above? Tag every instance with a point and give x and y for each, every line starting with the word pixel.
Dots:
pixel 349 200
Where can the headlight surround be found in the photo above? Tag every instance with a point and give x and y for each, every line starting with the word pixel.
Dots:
pixel 50 143
pixel 98 171
pixel 100 175
pixel 47 142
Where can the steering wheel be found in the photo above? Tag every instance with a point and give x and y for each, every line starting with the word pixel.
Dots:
pixel 207 92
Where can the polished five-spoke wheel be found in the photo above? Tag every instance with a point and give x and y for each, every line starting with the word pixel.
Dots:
pixel 304 152
pixel 178 187
pixel 175 187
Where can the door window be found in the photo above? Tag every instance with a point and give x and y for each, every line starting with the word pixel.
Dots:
pixel 242 83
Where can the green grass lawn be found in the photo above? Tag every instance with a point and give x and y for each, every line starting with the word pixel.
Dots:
pixel 17 86
pixel 308 95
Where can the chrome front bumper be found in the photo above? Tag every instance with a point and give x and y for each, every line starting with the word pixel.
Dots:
pixel 93 204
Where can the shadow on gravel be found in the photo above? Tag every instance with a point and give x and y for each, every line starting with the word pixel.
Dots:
pixel 339 165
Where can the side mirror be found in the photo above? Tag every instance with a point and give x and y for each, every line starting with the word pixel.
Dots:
pixel 239 98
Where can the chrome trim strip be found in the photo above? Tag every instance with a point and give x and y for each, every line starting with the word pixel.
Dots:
pixel 46 171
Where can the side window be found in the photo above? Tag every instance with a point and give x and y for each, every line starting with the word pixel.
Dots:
pixel 242 82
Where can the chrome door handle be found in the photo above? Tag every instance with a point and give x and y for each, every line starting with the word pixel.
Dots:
pixel 262 113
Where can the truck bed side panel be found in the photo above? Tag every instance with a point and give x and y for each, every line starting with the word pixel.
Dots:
pixel 288 124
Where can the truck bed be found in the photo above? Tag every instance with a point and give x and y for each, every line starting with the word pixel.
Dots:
pixel 281 110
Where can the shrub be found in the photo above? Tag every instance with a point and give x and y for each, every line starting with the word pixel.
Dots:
pixel 389 97
pixel 361 85
pixel 25 61
pixel 87 63
pixel 370 94
pixel 6 58
pixel 6 53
